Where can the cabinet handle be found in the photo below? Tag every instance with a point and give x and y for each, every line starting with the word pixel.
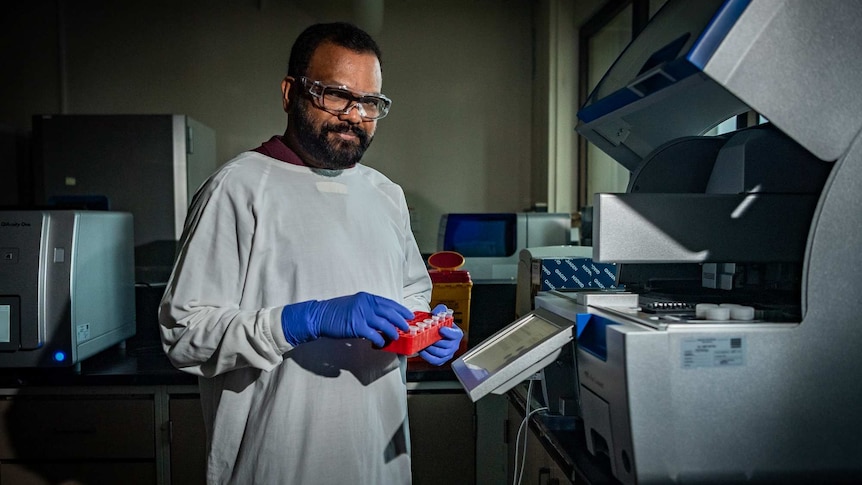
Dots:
pixel 544 476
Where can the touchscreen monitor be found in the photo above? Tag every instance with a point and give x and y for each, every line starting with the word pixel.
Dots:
pixel 513 354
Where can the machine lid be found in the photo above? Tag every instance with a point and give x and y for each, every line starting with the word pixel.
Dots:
pixel 656 91
pixel 697 64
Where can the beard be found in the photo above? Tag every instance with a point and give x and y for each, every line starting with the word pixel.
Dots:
pixel 333 154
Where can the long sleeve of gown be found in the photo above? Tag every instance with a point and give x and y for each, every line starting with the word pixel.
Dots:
pixel 204 330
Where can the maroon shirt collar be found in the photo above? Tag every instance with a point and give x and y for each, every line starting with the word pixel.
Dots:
pixel 275 148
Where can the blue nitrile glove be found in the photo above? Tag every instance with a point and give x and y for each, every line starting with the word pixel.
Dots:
pixel 442 350
pixel 440 308
pixel 362 315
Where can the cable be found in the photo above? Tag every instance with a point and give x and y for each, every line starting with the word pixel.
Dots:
pixel 516 478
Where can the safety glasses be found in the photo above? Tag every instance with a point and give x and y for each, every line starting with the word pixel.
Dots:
pixel 339 100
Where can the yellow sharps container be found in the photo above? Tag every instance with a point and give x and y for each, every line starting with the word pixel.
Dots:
pixel 452 287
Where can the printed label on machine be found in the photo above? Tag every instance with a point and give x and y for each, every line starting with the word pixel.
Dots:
pixel 83 332
pixel 713 352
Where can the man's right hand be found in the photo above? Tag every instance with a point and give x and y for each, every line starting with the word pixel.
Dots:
pixel 361 315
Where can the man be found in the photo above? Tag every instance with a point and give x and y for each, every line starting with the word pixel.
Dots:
pixel 296 264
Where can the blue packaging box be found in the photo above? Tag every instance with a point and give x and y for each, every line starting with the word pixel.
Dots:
pixel 572 273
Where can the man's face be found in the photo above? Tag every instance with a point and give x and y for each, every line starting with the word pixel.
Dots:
pixel 324 144
pixel 320 138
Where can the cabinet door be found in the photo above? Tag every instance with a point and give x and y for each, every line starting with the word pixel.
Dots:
pixel 442 438
pixel 530 464
pixel 188 440
pixel 61 427
pixel 538 467
pixel 98 473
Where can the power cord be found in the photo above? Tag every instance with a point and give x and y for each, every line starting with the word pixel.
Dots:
pixel 516 477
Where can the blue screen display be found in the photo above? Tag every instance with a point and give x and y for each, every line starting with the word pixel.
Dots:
pixel 481 235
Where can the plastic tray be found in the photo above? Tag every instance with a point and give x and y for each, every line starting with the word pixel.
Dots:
pixel 410 343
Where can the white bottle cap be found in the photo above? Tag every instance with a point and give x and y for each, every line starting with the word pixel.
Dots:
pixel 701 308
pixel 718 313
pixel 742 312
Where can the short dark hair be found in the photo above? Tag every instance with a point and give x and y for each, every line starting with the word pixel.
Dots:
pixel 342 34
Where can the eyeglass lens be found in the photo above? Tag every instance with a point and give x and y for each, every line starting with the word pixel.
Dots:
pixel 337 100
pixel 340 100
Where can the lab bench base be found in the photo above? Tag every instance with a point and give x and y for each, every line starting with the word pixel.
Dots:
pixel 155 435
pixel 556 450
pixel 128 416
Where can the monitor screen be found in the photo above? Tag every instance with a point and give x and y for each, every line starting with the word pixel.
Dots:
pixel 481 235
pixel 513 354
pixel 5 323
pixel 510 346
pixel 9 323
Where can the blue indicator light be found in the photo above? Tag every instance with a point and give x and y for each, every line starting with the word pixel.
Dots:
pixel 59 356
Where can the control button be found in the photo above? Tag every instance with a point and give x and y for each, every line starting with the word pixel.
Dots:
pixel 9 255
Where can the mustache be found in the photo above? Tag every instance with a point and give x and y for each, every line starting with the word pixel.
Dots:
pixel 345 128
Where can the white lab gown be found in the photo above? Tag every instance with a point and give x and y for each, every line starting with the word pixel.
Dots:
pixel 260 234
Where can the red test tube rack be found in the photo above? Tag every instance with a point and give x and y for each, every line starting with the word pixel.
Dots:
pixel 424 331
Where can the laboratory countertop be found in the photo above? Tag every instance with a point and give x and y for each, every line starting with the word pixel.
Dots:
pixel 565 444
pixel 148 366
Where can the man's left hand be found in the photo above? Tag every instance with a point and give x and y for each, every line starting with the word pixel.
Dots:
pixel 442 350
